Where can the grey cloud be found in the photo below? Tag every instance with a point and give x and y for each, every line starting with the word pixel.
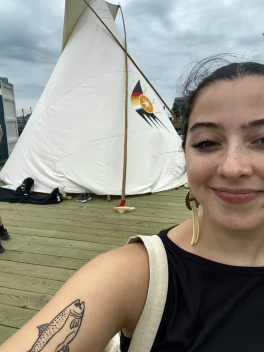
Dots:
pixel 163 36
pixel 176 33
pixel 30 43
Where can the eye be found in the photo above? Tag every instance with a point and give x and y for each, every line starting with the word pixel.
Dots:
pixel 206 144
pixel 260 141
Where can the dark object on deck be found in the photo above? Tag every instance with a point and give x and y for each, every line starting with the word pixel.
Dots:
pixel 8 195
pixel 26 187
pixel 4 235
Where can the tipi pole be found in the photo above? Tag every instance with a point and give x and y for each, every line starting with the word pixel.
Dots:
pixel 121 46
pixel 123 196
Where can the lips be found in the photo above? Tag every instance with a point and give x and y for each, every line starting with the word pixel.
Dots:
pixel 237 195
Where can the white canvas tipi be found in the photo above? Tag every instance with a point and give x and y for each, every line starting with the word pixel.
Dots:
pixel 75 136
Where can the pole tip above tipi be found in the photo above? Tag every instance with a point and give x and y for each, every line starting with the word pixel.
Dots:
pixel 72 13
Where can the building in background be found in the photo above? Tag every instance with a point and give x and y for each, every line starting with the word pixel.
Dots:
pixel 181 101
pixel 4 79
pixel 22 121
pixel 8 119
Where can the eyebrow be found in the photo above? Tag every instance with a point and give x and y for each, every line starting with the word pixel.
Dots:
pixel 253 123
pixel 245 126
pixel 208 125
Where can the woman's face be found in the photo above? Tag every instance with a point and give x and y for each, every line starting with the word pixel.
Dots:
pixel 225 153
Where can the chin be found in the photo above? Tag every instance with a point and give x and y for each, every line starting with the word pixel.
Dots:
pixel 239 223
pixel 231 219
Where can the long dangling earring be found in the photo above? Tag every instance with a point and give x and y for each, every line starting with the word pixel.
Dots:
pixel 193 204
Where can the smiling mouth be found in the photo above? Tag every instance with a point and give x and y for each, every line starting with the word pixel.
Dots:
pixel 236 196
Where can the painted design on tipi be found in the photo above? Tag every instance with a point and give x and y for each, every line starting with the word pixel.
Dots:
pixel 144 107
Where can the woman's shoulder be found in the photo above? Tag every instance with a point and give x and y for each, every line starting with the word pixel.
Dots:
pixel 181 235
pixel 134 267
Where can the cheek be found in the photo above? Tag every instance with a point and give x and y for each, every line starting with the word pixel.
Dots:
pixel 200 170
pixel 257 164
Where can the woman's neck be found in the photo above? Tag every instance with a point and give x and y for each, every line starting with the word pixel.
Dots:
pixel 221 245
pixel 239 248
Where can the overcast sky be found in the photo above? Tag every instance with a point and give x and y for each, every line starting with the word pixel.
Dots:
pixel 163 36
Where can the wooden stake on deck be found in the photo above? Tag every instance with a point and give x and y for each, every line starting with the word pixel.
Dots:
pixel 122 208
pixel 123 196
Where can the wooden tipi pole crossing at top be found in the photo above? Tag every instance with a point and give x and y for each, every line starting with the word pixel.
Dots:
pixel 121 46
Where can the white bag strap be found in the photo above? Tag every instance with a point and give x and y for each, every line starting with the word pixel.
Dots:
pixel 149 321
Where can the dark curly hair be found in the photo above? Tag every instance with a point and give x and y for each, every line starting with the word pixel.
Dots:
pixel 207 72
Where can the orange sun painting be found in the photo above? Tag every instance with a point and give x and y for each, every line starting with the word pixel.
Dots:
pixel 146 104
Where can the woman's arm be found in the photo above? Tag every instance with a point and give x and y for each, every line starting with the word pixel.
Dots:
pixel 106 295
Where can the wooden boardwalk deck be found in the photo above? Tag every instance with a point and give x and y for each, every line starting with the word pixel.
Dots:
pixel 49 243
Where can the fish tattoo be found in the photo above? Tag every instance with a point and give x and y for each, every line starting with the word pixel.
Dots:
pixel 59 333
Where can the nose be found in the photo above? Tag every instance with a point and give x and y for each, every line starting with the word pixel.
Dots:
pixel 234 163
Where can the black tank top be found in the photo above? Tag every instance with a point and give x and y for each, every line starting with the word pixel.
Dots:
pixel 210 307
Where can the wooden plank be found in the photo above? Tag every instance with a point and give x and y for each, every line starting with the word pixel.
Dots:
pixel 155 201
pixel 75 226
pixel 159 219
pixel 68 235
pixel 44 260
pixel 72 229
pixel 63 243
pixel 60 224
pixel 38 271
pixel 23 230
pixel 5 333
pixel 110 233
pixel 49 250
pixel 142 210
pixel 125 219
pixel 32 284
pixel 23 299
pixel 104 224
pixel 157 204
pixel 92 210
pixel 15 317
pixel 72 219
